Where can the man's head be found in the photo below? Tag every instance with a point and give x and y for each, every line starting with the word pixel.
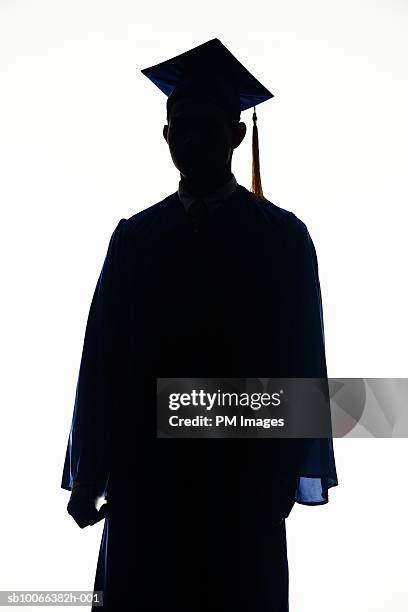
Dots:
pixel 201 136
pixel 208 72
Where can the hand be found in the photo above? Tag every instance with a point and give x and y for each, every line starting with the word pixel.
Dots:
pixel 81 505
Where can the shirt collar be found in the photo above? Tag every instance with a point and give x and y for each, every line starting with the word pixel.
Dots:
pixel 213 199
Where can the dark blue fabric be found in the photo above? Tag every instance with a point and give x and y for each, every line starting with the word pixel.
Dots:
pixel 100 377
pixel 203 559
pixel 240 299
pixel 215 71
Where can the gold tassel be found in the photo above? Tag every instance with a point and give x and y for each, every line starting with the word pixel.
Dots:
pixel 256 173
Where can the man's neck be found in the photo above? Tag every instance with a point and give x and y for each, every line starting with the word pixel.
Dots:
pixel 202 186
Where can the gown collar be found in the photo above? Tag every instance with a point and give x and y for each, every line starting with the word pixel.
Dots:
pixel 212 199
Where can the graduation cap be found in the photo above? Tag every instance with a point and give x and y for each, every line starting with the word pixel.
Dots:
pixel 210 71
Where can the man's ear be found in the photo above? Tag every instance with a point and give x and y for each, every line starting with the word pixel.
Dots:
pixel 165 130
pixel 238 134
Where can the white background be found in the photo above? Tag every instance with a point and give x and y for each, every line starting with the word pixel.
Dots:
pixel 81 146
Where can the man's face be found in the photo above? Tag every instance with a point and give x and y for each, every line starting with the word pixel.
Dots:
pixel 200 138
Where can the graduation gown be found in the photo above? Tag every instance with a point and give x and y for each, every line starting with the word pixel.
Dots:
pixel 193 522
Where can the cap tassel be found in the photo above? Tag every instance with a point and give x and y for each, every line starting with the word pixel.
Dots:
pixel 256 173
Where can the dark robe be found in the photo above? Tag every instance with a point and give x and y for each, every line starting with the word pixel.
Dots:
pixel 194 523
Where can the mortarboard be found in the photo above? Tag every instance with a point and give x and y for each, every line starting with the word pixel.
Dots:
pixel 213 72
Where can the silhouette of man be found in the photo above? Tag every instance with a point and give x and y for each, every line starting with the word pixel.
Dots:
pixel 211 281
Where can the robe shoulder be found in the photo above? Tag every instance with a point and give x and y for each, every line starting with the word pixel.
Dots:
pixel 273 215
pixel 145 219
pixel 294 231
pixel 168 213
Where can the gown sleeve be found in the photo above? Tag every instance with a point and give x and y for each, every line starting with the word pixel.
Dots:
pixel 88 452
pixel 314 464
